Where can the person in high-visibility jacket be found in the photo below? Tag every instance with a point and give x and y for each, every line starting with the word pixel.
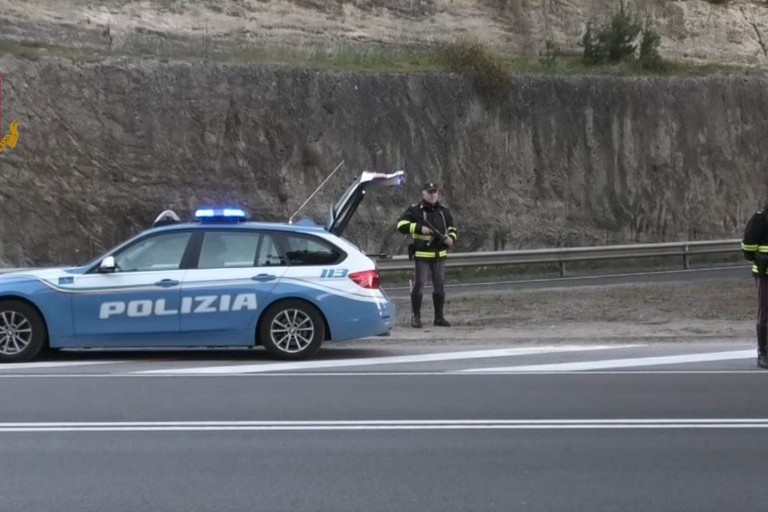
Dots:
pixel 755 248
pixel 430 226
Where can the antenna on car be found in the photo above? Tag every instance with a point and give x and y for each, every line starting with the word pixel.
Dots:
pixel 290 219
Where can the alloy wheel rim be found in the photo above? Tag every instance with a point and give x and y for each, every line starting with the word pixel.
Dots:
pixel 15 333
pixel 292 330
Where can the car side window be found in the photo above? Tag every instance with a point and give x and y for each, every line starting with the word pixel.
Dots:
pixel 234 249
pixel 309 250
pixel 269 254
pixel 159 252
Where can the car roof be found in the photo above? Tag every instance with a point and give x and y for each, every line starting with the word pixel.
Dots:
pixel 272 226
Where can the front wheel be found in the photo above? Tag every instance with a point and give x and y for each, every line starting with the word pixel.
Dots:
pixel 292 329
pixel 22 332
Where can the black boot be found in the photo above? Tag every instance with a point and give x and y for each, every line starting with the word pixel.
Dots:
pixel 416 308
pixel 762 346
pixel 438 299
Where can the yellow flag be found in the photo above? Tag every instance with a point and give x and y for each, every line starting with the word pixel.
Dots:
pixel 9 141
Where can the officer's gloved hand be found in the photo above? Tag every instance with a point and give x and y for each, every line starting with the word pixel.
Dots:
pixel 761 260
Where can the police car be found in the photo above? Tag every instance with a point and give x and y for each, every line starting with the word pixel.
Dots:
pixel 220 281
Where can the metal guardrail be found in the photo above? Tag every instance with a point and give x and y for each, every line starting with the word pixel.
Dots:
pixel 562 255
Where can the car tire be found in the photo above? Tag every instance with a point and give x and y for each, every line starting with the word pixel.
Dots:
pixel 22 332
pixel 292 330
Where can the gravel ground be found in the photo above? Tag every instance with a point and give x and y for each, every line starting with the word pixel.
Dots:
pixel 682 312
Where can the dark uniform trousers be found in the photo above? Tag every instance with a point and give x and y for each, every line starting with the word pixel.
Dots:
pixel 433 269
pixel 762 310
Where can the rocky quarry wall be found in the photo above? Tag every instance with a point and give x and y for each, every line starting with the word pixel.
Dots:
pixel 714 31
pixel 561 161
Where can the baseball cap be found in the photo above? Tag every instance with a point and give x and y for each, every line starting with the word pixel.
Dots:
pixel 429 186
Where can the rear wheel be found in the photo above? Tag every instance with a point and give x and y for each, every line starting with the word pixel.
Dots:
pixel 22 331
pixel 292 329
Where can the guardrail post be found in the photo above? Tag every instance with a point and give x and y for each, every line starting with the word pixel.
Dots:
pixel 562 268
pixel 686 257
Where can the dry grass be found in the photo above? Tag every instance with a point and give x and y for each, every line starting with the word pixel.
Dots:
pixel 728 301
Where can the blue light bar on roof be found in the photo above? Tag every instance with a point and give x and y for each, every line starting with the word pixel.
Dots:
pixel 220 214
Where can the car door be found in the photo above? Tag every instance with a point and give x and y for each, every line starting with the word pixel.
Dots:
pixel 227 289
pixel 140 296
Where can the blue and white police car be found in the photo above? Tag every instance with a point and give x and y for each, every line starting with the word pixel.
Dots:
pixel 221 281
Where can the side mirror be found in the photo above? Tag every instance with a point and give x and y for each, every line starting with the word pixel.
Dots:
pixel 108 264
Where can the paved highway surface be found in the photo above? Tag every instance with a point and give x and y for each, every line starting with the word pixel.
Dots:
pixel 540 428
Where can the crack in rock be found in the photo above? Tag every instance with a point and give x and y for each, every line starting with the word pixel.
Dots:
pixel 757 33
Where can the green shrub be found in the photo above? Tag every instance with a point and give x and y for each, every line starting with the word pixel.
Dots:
pixel 649 49
pixel 475 59
pixel 619 39
pixel 592 54
pixel 614 41
pixel 548 56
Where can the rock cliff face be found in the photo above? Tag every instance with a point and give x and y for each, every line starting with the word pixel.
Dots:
pixel 562 161
pixel 732 31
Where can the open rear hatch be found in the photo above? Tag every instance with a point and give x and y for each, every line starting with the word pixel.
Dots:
pixel 341 212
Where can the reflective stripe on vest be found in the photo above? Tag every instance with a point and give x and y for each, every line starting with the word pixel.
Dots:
pixel 429 254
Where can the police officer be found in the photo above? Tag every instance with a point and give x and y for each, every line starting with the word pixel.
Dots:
pixel 755 248
pixel 430 226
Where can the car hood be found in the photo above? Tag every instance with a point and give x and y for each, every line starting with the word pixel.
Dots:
pixel 51 274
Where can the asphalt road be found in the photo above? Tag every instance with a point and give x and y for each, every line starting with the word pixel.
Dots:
pixel 544 428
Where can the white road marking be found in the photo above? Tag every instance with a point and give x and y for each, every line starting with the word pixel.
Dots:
pixel 398 374
pixel 369 361
pixel 52 364
pixel 219 426
pixel 622 363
